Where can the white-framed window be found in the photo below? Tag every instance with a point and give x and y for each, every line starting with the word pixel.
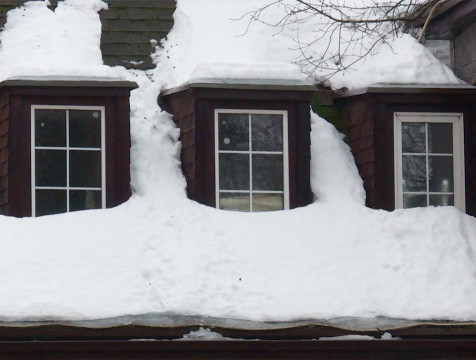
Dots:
pixel 429 160
pixel 68 160
pixel 251 160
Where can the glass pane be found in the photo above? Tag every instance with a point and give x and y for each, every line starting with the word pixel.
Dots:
pixel 413 137
pixel 411 201
pixel 268 202
pixel 440 138
pixel 268 172
pixel 50 168
pixel 235 201
pixel 85 128
pixel 441 200
pixel 234 172
pixel 267 132
pixel 414 173
pixel 84 199
pixel 233 132
pixel 50 127
pixel 49 202
pixel 440 173
pixel 85 168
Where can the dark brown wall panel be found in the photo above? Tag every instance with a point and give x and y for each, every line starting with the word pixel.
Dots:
pixel 4 113
pixel 182 106
pixel 465 54
pixel 121 150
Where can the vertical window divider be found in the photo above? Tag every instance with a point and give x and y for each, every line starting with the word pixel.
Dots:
pixel 33 160
pixel 250 148
pixel 67 160
pixel 427 166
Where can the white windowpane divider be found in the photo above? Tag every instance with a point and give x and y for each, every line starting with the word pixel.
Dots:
pixel 67 150
pixel 250 154
pixel 456 121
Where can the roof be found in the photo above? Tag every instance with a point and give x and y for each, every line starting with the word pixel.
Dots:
pixel 244 84
pixel 68 81
pixel 409 89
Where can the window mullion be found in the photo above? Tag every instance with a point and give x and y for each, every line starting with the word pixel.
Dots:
pixel 250 161
pixel 427 167
pixel 67 160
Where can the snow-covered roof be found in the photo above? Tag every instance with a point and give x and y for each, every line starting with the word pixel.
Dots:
pixel 164 256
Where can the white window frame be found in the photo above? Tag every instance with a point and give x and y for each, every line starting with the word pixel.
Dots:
pixel 67 148
pixel 456 119
pixel 285 154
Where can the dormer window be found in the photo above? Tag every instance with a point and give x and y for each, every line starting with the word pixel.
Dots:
pixel 64 145
pixel 413 144
pixel 68 160
pixel 245 144
pixel 251 160
pixel 429 160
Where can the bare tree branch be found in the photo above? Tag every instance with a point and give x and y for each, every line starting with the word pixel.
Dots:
pixel 345 31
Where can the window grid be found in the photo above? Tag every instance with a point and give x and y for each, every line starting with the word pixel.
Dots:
pixel 427 155
pixel 456 120
pixel 67 149
pixel 250 153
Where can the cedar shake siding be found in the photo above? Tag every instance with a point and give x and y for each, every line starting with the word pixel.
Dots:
pixel 15 149
pixel 455 20
pixel 465 54
pixel 369 116
pixel 4 111
pixel 127 29
pixel 193 109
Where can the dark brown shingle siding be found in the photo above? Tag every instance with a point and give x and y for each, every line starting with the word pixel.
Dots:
pixel 183 107
pixel 129 27
pixel 4 109
pixel 465 54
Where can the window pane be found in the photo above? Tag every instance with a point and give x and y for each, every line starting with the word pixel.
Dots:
pixel 440 138
pixel 234 172
pixel 441 173
pixel 84 199
pixel 267 132
pixel 268 202
pixel 85 128
pixel 235 201
pixel 413 137
pixel 233 132
pixel 50 168
pixel 50 202
pixel 50 127
pixel 441 200
pixel 85 168
pixel 411 201
pixel 267 172
pixel 414 173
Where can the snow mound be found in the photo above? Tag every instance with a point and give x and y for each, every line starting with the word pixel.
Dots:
pixel 201 38
pixel 160 253
pixel 334 175
pixel 403 61
pixel 255 71
pixel 37 41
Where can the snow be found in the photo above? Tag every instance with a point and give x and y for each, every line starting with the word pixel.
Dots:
pixel 36 41
pixel 224 37
pixel 204 334
pixel 385 336
pixel 164 255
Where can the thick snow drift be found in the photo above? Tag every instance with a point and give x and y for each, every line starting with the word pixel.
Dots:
pixel 161 253
pixel 224 37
